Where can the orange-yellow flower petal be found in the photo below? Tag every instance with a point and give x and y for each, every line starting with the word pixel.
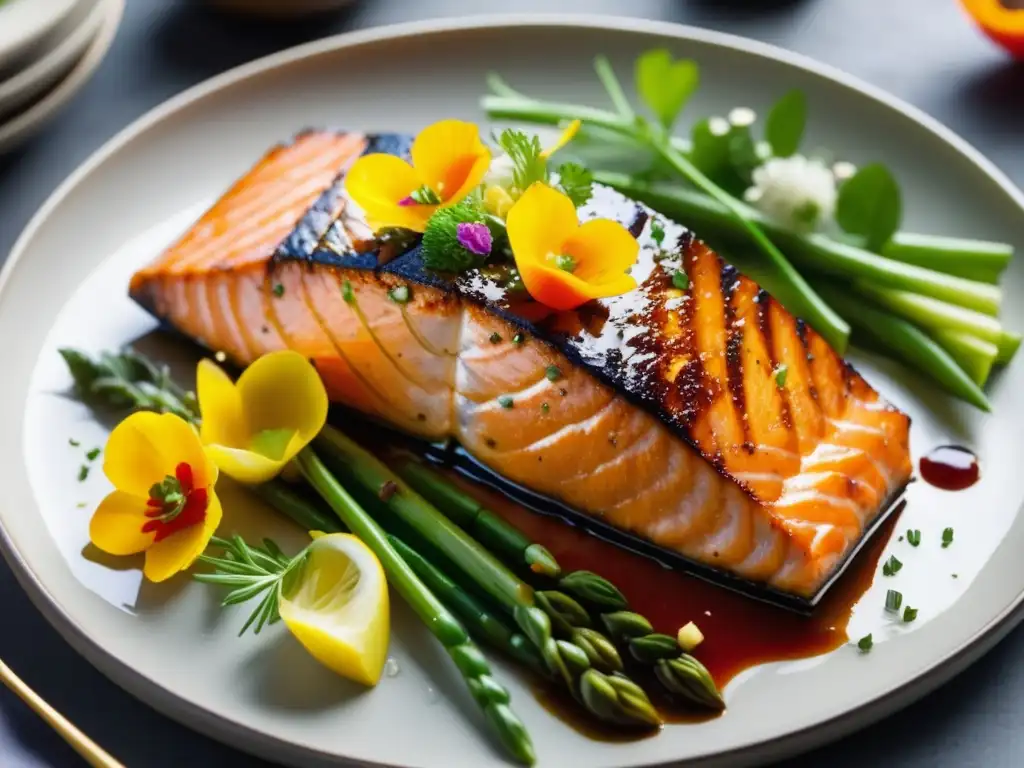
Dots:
pixel 116 525
pixel 450 158
pixel 223 415
pixel 179 550
pixel 146 447
pixel 543 225
pixel 567 135
pixel 378 183
pixel 282 407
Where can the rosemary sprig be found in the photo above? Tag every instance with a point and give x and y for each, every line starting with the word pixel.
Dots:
pixel 250 572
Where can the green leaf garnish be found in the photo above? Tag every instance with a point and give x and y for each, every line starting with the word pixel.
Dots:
pixel 400 294
pixel 869 205
pixel 83 472
pixel 577 182
pixel 544 407
pixel 657 232
pixel 553 372
pixel 425 196
pixel 665 84
pixel 947 537
pixel 495 338
pixel 891 566
pixel 914 537
pixel 347 294
pixel 680 280
pixel 528 164
pixel 251 572
pixel 785 122
pixel 278 290
pixel 865 643
pixel 73 443
pixel 893 601
pixel 519 337
pixel 781 372
pixel 909 614
pixel 506 402
pixel 92 454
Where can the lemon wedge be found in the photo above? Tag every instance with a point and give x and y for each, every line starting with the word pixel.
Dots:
pixel 337 607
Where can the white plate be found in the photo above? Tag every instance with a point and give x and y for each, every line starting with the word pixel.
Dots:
pixel 170 645
pixel 24 22
pixel 63 48
pixel 23 125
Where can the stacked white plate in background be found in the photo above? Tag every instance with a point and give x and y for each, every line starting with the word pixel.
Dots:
pixel 48 51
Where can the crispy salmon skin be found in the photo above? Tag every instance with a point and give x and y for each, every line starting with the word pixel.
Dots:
pixel 706 421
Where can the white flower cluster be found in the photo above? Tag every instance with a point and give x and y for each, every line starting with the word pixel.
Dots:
pixel 795 191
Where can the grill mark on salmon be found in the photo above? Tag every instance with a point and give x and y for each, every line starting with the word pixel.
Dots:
pixel 666 421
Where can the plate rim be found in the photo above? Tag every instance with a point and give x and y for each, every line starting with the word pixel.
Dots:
pixel 105 20
pixel 13 46
pixel 253 741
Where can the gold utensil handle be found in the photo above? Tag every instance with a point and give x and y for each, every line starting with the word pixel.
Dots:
pixel 93 754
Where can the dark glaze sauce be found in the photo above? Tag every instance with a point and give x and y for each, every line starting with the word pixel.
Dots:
pixel 950 467
pixel 739 632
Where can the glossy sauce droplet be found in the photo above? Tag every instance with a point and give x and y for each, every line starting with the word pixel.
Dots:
pixel 950 468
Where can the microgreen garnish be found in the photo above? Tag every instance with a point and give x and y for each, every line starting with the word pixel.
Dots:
pixel 251 572
pixel 947 537
pixel 657 232
pixel 347 295
pixel 781 373
pixel 425 196
pixel 73 443
pixel 400 294
pixel 893 601
pixel 544 407
pixel 909 614
pixel 891 566
pixel 83 472
pixel 553 372
pixel 81 505
pixel 92 454
pixel 278 290
pixel 577 183
pixel 665 84
pixel 680 280
pixel 506 402
pixel 528 162
pixel 519 338
pixel 128 379
pixel 914 537
pixel 865 643
pixel 495 338
pixel 459 237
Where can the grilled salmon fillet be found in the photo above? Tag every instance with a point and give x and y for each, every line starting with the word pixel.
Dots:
pixel 661 413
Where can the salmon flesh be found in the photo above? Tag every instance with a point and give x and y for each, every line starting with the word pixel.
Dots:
pixel 660 414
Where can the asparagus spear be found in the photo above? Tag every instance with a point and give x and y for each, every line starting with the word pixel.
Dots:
pixel 613 698
pixel 482 524
pixel 489 694
pixel 482 624
pixel 677 670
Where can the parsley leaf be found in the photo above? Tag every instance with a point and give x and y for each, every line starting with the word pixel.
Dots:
pixel 865 643
pixel 665 84
pixel 577 183
pixel 785 122
pixel 528 164
pixel 869 205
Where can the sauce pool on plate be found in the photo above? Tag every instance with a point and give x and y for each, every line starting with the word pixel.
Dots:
pixel 950 467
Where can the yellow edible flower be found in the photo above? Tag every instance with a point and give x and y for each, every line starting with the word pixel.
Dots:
pixel 448 162
pixel 254 427
pixel 163 502
pixel 562 263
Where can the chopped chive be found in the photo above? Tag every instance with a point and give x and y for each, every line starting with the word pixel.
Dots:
pixel 91 455
pixel 553 373
pixel 81 505
pixel 947 537
pixel 657 232
pixel 519 338
pixel 909 614
pixel 545 407
pixel 955 576
pixel 83 472
pixel 893 601
pixel 914 537
pixel 780 375
pixel 399 294
pixel 865 643
pixel 495 338
pixel 73 443
pixel 505 401
pixel 278 290
pixel 347 294
pixel 680 280
pixel 891 566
